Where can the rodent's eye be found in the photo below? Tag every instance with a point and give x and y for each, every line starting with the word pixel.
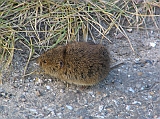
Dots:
pixel 44 61
pixel 61 64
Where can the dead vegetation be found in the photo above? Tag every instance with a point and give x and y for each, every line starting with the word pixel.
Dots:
pixel 42 24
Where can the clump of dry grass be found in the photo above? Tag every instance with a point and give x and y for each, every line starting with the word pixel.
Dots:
pixel 39 25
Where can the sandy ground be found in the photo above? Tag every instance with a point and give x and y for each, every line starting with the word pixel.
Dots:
pixel 131 91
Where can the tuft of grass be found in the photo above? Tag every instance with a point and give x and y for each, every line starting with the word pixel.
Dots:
pixel 40 25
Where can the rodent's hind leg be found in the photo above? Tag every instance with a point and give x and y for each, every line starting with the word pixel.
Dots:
pixel 84 87
pixel 81 87
pixel 66 84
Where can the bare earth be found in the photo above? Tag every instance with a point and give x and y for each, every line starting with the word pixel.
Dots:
pixel 131 91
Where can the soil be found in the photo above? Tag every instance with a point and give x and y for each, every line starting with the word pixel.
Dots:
pixel 131 91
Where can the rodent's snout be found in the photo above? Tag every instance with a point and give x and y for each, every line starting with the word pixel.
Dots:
pixel 41 61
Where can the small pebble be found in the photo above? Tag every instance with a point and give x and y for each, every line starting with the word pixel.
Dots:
pixel 128 107
pixel 105 95
pixel 101 108
pixel 149 62
pixel 136 102
pixel 69 107
pixel 2 94
pixel 137 60
pixel 138 85
pixel 34 111
pixel 98 116
pixel 149 96
pixel 91 93
pixel 61 91
pixel 152 44
pixel 151 93
pixel 48 87
pixel 25 89
pixel 50 109
pixel 115 102
pixel 147 86
pixel 129 30
pixel 22 98
pixel 49 80
pixel 59 115
pixel 9 95
pixel 38 93
pixel 81 117
pixel 139 73
pixel 142 88
pixel 98 93
pixel 131 90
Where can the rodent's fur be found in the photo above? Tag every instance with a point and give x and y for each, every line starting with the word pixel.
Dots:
pixel 79 63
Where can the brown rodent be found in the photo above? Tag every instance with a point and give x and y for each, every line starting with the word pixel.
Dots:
pixel 79 63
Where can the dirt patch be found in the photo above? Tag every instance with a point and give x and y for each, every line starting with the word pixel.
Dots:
pixel 130 91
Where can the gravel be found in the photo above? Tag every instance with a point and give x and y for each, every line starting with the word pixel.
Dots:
pixel 131 91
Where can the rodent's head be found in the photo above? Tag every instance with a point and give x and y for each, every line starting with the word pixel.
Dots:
pixel 52 60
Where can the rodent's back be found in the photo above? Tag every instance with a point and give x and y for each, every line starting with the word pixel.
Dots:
pixel 80 63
